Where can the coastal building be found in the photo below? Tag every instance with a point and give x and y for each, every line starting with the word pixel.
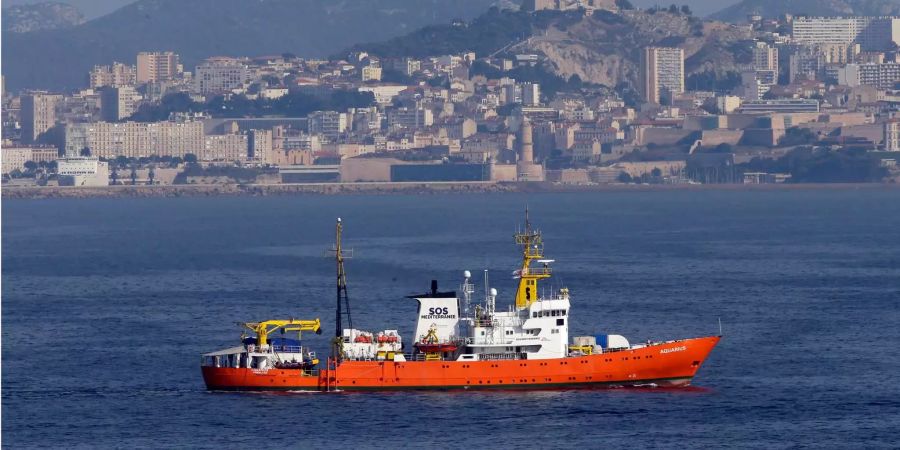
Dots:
pixel 662 70
pixel 260 146
pixel 14 158
pixel 135 139
pixel 38 114
pixel 526 169
pixel 82 172
pixel 225 147
pixel 157 66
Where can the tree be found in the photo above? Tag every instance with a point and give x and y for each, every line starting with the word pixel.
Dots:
pixel 574 82
pixel 624 4
pixel 190 158
pixel 673 8
pixel 115 175
pixel 86 151
pixel 656 172
pixel 133 175
pixel 624 177
pixel 31 166
pixel 686 10
pixel 151 175
pixel 121 161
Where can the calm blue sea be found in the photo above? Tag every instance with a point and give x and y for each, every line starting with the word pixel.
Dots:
pixel 108 303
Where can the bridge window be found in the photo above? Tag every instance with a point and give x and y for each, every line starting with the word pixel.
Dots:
pixel 560 321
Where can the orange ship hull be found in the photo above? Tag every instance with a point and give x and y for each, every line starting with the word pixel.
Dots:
pixel 670 364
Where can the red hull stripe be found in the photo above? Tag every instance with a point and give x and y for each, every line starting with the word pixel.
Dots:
pixel 535 386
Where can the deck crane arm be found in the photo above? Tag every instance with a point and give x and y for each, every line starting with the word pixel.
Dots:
pixel 264 329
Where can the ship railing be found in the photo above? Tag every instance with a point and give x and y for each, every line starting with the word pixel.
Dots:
pixel 285 348
pixel 537 271
pixel 486 323
pixel 501 356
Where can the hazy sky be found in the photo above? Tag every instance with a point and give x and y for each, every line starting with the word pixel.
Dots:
pixel 96 8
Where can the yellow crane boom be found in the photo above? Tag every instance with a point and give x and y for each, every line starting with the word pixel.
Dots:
pixel 264 329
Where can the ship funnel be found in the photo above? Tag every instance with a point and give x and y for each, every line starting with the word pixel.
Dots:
pixel 434 287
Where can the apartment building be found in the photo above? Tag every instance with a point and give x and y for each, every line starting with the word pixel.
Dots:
pixel 880 76
pixel 410 118
pixel 38 114
pixel 219 75
pixel 765 57
pixel 158 66
pixel 117 103
pixel 662 70
pixel 330 124
pixel 117 74
pixel 872 33
pixel 225 147
pixel 134 139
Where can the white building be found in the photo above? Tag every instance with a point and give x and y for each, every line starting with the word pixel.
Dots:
pixel 225 147
pixel 384 94
pixel 663 73
pixel 410 118
pixel 14 158
pixel 371 73
pixel 218 75
pixel 872 33
pixel 135 139
pixel 83 172
pixel 880 76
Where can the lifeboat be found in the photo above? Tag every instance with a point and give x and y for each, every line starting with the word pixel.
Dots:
pixel 443 347
pixel 383 339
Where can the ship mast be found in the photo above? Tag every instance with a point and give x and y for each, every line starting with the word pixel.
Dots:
pixel 532 250
pixel 343 302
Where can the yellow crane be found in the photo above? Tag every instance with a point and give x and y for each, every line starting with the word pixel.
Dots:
pixel 264 329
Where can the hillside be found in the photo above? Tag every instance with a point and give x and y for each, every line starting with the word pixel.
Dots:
pixel 200 28
pixel 604 48
pixel 40 17
pixel 772 8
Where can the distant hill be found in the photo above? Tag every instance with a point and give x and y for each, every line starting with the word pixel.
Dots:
pixel 772 8
pixel 604 48
pixel 40 17
pixel 196 29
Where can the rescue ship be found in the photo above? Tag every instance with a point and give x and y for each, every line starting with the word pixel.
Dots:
pixel 459 343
